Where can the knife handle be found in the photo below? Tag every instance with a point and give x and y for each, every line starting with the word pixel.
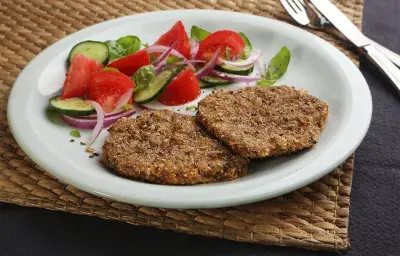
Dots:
pixel 392 56
pixel 387 67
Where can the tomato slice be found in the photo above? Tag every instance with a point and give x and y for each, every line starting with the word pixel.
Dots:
pixel 107 87
pixel 184 88
pixel 176 34
pixel 131 63
pixel 222 39
pixel 77 80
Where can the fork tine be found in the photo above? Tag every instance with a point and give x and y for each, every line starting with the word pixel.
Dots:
pixel 289 8
pixel 296 10
pixel 298 5
pixel 294 6
pixel 303 3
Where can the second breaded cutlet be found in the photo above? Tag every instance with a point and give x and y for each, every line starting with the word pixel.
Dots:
pixel 258 122
pixel 165 147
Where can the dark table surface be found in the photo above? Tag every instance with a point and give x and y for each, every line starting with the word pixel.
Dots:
pixel 375 199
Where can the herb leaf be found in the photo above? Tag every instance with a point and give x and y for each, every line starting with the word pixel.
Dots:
pixel 198 33
pixel 109 69
pixel 265 82
pixel 75 133
pixel 127 107
pixel 228 53
pixel 115 49
pixel 123 46
pixel 131 44
pixel 279 64
pixel 277 67
pixel 173 59
pixel 143 77
pixel 191 108
pixel 248 47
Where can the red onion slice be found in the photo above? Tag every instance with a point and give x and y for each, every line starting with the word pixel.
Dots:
pixel 250 60
pixel 209 66
pixel 91 123
pixel 184 62
pixel 118 109
pixel 159 68
pixel 235 78
pixel 163 57
pixel 162 48
pixel 79 123
pixel 100 122
pixel 194 48
pixel 94 116
pixel 123 100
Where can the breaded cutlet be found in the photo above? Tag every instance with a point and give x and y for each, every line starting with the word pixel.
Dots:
pixel 165 147
pixel 258 122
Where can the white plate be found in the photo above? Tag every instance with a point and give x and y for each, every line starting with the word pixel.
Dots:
pixel 316 66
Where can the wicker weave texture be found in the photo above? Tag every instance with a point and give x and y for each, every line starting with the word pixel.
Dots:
pixel 313 217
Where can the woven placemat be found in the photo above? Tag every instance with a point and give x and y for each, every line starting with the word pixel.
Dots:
pixel 313 217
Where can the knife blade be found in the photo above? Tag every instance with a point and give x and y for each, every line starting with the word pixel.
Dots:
pixel 347 28
pixel 341 22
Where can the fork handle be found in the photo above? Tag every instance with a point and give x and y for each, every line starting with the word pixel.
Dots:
pixel 383 63
pixel 392 56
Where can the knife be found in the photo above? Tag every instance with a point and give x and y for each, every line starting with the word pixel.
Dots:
pixel 324 23
pixel 349 30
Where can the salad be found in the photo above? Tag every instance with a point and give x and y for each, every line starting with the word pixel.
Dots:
pixel 105 79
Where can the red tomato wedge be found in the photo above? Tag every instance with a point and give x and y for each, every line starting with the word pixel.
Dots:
pixel 131 63
pixel 176 34
pixel 107 87
pixel 222 39
pixel 182 89
pixel 78 76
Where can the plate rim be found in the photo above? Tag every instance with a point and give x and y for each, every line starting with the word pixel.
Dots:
pixel 255 195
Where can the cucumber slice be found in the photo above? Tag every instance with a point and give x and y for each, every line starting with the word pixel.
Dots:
pixel 93 49
pixel 244 71
pixel 71 107
pixel 203 84
pixel 155 88
pixel 210 81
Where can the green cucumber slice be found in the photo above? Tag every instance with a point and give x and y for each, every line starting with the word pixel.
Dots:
pixel 203 84
pixel 210 81
pixel 93 49
pixel 244 71
pixel 71 107
pixel 248 47
pixel 155 87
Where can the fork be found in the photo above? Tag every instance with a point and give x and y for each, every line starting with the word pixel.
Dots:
pixel 307 15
